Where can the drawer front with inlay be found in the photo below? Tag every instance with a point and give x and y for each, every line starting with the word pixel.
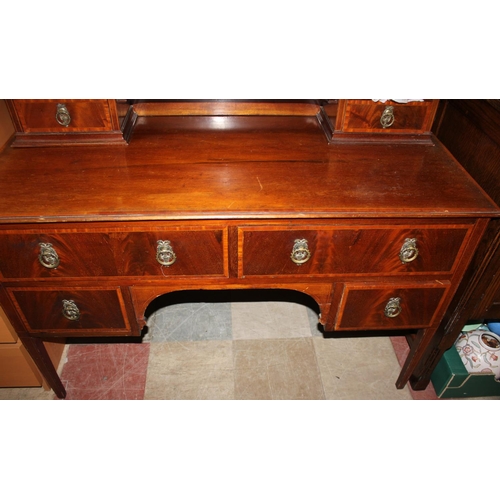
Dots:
pixel 63 115
pixel 364 115
pixel 320 251
pixel 69 254
pixel 61 311
pixel 386 306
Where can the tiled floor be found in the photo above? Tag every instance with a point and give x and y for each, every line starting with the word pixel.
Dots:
pixel 244 346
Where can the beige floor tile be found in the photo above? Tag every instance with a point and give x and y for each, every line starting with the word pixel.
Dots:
pixel 19 393
pixel 362 368
pixel 190 370
pixel 276 369
pixel 265 320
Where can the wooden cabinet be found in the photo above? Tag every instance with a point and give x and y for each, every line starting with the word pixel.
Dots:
pixel 244 195
pixel 6 126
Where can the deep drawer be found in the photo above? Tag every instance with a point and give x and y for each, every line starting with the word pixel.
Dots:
pixel 65 253
pixel 362 115
pixel 42 115
pixel 387 307
pixel 350 250
pixel 72 310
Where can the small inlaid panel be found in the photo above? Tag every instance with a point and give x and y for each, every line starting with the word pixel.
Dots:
pixel 345 250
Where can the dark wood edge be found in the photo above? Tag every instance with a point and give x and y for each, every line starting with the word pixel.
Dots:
pixel 24 140
pixel 13 114
pixel 439 115
pixel 113 114
pixel 129 123
pixel 325 124
pixel 481 113
pixel 476 277
pixel 410 138
pixel 339 122
pixel 7 143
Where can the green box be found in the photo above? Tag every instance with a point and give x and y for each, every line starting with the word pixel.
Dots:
pixel 452 380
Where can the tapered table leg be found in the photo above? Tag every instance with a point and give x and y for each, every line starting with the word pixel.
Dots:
pixel 418 351
pixel 40 356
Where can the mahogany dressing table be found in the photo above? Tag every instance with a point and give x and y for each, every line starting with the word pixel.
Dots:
pixel 108 205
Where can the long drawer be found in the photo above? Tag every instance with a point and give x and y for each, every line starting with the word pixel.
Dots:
pixel 164 251
pixel 323 250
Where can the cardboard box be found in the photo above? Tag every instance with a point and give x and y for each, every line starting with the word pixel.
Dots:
pixel 452 380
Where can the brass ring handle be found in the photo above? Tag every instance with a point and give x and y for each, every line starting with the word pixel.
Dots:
pixel 48 256
pixel 165 254
pixel 393 307
pixel 300 252
pixel 409 251
pixel 62 115
pixel 387 118
pixel 70 310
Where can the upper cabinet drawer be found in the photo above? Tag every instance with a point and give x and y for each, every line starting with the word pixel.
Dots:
pixel 46 122
pixel 63 115
pixel 164 251
pixel 350 250
pixel 365 115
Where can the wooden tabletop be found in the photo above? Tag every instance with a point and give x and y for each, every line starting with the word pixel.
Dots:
pixel 240 167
